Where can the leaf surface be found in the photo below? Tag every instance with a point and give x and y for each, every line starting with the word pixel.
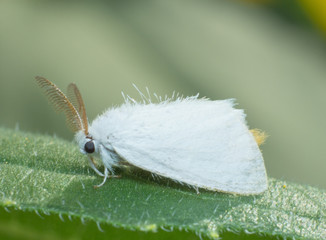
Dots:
pixel 49 175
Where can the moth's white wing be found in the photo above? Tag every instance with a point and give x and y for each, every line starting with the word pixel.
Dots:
pixel 196 141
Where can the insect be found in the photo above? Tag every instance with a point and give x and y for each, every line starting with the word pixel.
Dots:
pixel 194 141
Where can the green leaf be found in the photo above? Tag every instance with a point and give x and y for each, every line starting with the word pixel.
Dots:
pixel 49 176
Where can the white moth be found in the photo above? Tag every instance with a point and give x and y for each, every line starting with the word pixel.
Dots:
pixel 199 142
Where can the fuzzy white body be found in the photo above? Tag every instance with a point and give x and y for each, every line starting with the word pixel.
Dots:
pixel 194 141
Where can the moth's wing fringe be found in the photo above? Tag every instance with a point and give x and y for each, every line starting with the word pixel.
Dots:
pixel 157 177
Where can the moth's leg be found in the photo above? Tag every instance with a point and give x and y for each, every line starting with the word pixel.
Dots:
pixel 106 174
pixel 92 164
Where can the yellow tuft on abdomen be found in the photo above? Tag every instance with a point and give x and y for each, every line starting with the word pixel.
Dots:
pixel 259 135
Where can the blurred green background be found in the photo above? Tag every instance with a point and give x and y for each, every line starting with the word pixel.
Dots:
pixel 269 55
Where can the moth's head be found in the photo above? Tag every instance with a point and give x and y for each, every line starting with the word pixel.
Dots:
pixel 87 144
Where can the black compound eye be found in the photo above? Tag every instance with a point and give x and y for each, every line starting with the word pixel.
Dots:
pixel 89 147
